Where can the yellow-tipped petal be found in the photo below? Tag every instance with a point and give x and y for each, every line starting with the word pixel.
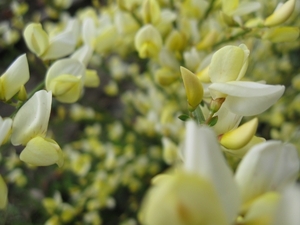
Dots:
pixel 193 87
pixel 41 151
pixel 239 137
pixel 36 38
pixel 281 14
pixel 281 34
pixel 3 193
pixel 66 88
pixel 91 79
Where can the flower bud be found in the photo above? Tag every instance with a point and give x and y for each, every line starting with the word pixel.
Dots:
pixel 239 137
pixel 281 13
pixel 41 151
pixel 193 87
pixel 91 79
pixel 165 76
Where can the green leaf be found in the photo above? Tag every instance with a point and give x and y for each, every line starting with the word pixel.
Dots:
pixel 213 121
pixel 184 117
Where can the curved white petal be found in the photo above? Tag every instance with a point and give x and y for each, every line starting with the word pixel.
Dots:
pixel 65 66
pixel 204 156
pixel 268 166
pixel 226 121
pixel 247 98
pixel 32 118
pixel 15 76
pixel 83 54
pixel 288 210
pixel 64 43
pixel 88 31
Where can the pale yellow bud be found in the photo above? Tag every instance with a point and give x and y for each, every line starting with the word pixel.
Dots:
pixel 281 34
pixel 165 76
pixel 36 38
pixel 22 94
pixel 3 193
pixel 239 137
pixel 151 11
pixel 41 151
pixel 175 41
pixel 208 41
pixel 193 87
pixel 281 14
pixel 91 79
pixel 148 41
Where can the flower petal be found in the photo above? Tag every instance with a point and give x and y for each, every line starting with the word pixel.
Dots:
pixel 41 151
pixel 32 118
pixel 204 156
pixel 269 166
pixel 15 77
pixel 247 98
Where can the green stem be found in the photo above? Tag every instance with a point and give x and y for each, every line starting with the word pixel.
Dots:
pixel 232 38
pixel 37 88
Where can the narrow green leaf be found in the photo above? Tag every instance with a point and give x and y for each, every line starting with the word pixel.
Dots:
pixel 213 121
pixel 184 117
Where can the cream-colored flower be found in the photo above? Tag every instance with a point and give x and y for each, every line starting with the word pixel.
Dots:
pixel 148 41
pixel 65 79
